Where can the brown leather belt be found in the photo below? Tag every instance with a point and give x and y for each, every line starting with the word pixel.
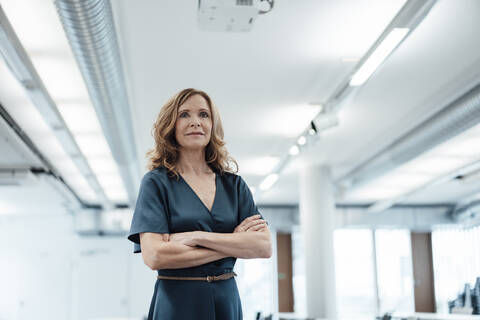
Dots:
pixel 224 276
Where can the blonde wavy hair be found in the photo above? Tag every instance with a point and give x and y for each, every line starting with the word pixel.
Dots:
pixel 166 149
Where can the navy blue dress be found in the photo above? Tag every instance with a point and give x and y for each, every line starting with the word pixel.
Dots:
pixel 168 205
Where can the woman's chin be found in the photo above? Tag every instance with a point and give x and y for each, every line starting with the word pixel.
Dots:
pixel 194 146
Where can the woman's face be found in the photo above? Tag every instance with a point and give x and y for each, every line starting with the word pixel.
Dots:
pixel 193 127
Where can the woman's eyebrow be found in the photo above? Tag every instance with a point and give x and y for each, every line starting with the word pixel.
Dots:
pixel 188 110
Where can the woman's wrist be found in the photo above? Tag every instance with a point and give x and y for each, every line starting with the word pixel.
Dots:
pixel 198 237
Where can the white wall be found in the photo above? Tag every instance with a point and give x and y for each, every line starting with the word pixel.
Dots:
pixel 48 272
pixel 35 267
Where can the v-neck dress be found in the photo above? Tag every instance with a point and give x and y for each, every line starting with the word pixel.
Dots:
pixel 169 205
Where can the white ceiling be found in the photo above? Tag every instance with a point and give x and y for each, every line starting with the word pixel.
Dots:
pixel 262 81
pixel 265 81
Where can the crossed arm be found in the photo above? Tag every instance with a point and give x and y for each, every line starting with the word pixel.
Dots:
pixel 250 239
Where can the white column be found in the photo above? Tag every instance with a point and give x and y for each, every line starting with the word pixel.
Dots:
pixel 317 219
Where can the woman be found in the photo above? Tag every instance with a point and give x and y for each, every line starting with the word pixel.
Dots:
pixel 194 216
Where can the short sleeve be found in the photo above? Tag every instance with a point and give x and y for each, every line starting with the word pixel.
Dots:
pixel 150 214
pixel 246 205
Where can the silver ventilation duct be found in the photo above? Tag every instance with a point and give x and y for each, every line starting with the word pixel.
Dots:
pixel 458 116
pixel 90 29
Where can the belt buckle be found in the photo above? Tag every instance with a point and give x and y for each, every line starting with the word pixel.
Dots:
pixel 210 278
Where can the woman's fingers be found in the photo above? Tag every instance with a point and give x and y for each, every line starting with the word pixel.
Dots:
pixel 243 225
pixel 257 227
pixel 254 223
pixel 250 219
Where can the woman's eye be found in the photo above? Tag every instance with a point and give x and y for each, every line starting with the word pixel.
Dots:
pixel 204 115
pixel 183 114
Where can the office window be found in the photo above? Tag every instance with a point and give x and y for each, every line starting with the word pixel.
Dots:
pixel 354 273
pixel 456 261
pixel 394 271
pixel 256 285
pixel 298 279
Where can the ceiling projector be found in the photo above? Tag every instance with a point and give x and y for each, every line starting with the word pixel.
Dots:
pixel 229 15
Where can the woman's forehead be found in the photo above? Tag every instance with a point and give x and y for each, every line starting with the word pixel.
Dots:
pixel 195 102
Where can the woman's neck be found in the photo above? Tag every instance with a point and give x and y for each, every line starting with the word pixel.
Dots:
pixel 193 162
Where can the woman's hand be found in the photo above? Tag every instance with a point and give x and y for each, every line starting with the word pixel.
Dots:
pixel 253 223
pixel 186 238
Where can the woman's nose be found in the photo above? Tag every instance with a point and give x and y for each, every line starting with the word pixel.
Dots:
pixel 195 121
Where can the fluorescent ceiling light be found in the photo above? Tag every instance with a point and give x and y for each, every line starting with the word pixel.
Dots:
pixel 102 165
pixel 405 180
pixel 392 184
pixel 67 141
pixel 441 161
pixel 65 165
pixel 58 72
pixel 49 144
pixel 110 180
pixel 78 180
pixel 435 165
pixel 93 144
pixel 302 140
pixel 84 167
pixel 29 19
pixel 374 193
pixel 269 181
pixel 116 194
pixel 459 147
pixel 87 194
pixel 79 183
pixel 60 75
pixel 294 150
pixel 378 56
pixel 80 118
pixel 408 177
pixel 113 187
